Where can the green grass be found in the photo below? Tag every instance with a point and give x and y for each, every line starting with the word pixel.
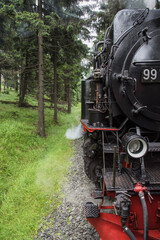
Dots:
pixel 30 99
pixel 31 168
pixel 10 96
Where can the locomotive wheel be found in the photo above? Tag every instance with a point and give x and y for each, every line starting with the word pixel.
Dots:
pixel 90 148
pixel 93 168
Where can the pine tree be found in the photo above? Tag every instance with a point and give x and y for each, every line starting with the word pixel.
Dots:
pixel 41 127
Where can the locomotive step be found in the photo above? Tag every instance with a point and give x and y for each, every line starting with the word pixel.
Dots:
pixel 97 194
pixel 123 181
pixel 127 180
pixel 91 210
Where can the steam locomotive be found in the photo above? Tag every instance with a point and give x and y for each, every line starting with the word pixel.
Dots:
pixel 121 120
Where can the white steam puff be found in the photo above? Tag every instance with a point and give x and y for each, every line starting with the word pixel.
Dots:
pixel 74 132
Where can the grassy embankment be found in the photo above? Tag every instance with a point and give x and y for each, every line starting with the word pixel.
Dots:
pixel 30 167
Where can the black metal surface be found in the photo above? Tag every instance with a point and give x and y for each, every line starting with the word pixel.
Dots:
pixel 109 148
pixel 133 49
pixel 154 147
pixel 153 171
pixel 97 194
pixel 83 110
pixel 98 126
pixel 96 117
pixel 126 18
pixel 123 181
pixel 147 63
pixel 136 59
pixel 129 178
pixel 123 21
pixel 85 97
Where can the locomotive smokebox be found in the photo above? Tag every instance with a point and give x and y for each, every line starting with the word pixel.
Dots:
pixel 137 61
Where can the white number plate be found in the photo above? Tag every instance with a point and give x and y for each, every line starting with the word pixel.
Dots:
pixel 151 75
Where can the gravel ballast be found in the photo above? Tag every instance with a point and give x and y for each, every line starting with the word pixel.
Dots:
pixel 69 222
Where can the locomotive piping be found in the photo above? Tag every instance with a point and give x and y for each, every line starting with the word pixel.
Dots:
pixel 145 215
pixel 103 42
pixel 129 233
pixel 97 45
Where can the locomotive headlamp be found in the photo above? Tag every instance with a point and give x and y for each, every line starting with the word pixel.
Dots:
pixel 135 145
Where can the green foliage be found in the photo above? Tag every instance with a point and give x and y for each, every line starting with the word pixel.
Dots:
pixel 60 27
pixel 108 11
pixel 157 5
pixel 32 169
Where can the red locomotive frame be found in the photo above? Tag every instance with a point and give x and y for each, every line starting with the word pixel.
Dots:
pixel 109 225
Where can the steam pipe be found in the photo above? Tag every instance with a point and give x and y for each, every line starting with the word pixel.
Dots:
pixel 145 215
pixel 102 42
pixel 96 54
pixel 97 45
pixel 129 233
pixel 107 32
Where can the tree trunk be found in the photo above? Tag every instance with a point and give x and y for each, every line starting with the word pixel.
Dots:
pixel 69 96
pixel 24 83
pixel 4 89
pixel 0 82
pixel 23 90
pixel 41 128
pixel 65 89
pixel 21 100
pixel 16 82
pixel 55 88
pixel 52 88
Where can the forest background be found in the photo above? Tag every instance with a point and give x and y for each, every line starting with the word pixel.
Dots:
pixel 43 58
